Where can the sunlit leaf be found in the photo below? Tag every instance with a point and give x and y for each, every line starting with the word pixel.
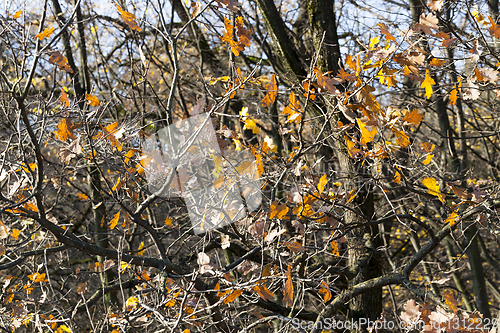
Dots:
pixel 413 118
pixel 114 221
pixel 325 291
pixel 366 135
pixel 427 84
pixel 17 14
pixel 232 296
pixel 272 92
pixel 322 182
pixel 92 100
pixel 129 18
pixel 433 188
pixel 264 293
pixel 45 34
pixel 278 211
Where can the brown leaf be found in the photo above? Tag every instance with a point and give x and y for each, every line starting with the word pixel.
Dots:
pixel 294 247
pixel 232 296
pixel 288 293
pixel 272 92
pixel 435 5
pixel 426 23
pixel 264 293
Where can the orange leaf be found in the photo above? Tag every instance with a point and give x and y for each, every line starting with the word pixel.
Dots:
pixel 428 159
pixel 117 186
pixel 129 18
pixel 288 293
pixel 92 100
pixel 453 96
pixel 65 130
pixel 232 296
pixel 45 34
pixel 278 211
pixel 413 118
pixel 437 62
pixel 264 293
pixel 168 221
pixel 452 218
pixel 64 98
pixel 15 234
pixel 272 91
pixel 82 196
pixel 17 15
pixel 450 300
pixel 114 221
pixel 366 135
pixel 293 110
pixel 325 291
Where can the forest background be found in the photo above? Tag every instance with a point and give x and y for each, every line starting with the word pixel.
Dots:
pixel 372 127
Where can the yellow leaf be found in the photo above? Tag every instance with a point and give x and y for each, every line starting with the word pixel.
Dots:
pixel 351 195
pixel 185 331
pixel 278 211
pixel 397 177
pixel 452 218
pixel 427 84
pixel 114 221
pixel 168 221
pixel 124 266
pixel 322 182
pixel 433 188
pixel 63 328
pixel 232 296
pixel 428 159
pixel 366 135
pixel 131 303
pixel 17 15
pixel 92 100
pixel 251 125
pixel 325 291
pixel 37 277
pixel 45 34
pixel 82 196
pixel 437 62
pixel 141 251
pixel 288 293
pixel 374 41
pixel 117 185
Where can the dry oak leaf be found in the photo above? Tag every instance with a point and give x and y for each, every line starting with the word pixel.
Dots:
pixel 426 23
pixel 294 247
pixel 278 211
pixel 64 97
pixel 61 61
pixel 232 5
pixel 435 5
pixel 366 135
pixel 129 18
pixel 412 311
pixel 45 34
pixel 385 31
pixel 325 291
pixel 288 293
pixel 494 29
pixel 264 293
pixel 413 118
pixel 272 92
pixel 92 100
pixel 65 130
pixel 232 296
